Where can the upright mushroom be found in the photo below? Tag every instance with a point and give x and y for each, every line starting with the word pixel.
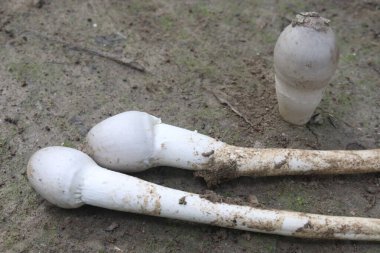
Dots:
pixel 305 58
pixel 134 141
pixel 69 178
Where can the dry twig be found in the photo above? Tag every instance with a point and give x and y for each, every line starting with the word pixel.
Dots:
pixel 130 64
pixel 337 118
pixel 225 102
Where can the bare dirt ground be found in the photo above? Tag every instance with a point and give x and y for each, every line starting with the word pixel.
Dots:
pixel 197 55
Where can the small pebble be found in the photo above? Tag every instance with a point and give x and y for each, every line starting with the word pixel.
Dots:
pixel 247 236
pixel 372 189
pixel 252 199
pixel 112 227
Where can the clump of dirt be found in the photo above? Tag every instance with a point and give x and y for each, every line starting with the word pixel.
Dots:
pixel 312 20
pixel 218 172
pixel 182 201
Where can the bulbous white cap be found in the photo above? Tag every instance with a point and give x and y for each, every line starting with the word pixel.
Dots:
pixel 56 174
pixel 306 54
pixel 125 140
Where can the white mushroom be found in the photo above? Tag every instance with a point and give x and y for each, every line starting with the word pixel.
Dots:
pixel 134 141
pixel 305 58
pixel 69 178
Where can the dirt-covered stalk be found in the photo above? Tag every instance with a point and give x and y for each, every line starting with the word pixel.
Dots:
pixel 230 162
pixel 69 178
pixel 135 141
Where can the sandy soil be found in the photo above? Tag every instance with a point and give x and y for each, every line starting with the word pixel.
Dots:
pixel 52 92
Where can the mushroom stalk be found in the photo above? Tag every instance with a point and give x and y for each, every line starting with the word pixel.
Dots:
pixel 134 141
pixel 69 178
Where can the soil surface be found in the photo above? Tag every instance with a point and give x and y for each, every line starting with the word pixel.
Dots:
pixel 208 66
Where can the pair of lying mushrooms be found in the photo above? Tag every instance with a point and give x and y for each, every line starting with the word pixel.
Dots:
pixel 134 141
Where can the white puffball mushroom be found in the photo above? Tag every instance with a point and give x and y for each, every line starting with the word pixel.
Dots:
pixel 305 59
pixel 132 144
pixel 69 178
pixel 134 141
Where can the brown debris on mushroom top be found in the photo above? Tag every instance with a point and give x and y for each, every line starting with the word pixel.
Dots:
pixel 311 20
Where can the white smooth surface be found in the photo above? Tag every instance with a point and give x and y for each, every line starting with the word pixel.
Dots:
pixel 134 141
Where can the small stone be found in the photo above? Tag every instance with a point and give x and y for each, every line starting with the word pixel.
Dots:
pixel 252 200
pixel 372 189
pixel 258 144
pixel 116 248
pixel 317 119
pixel 247 236
pixel 112 227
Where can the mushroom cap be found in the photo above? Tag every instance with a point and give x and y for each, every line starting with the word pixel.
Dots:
pixel 56 174
pixel 124 141
pixel 306 57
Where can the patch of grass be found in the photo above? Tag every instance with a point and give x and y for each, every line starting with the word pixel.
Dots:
pixel 208 114
pixel 136 6
pixel 230 136
pixel 228 194
pixel 340 99
pixel 268 37
pixel 183 34
pixel 19 201
pixel 348 58
pixel 300 202
pixel 201 9
pixel 372 250
pixel 68 144
pixel 18 191
pixel 21 71
pixel 34 71
pixel 166 22
pixel 345 100
pixel 293 201
pixel 293 6
pixel 11 238
pixel 47 237
pixel 199 65
pixel 3 147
